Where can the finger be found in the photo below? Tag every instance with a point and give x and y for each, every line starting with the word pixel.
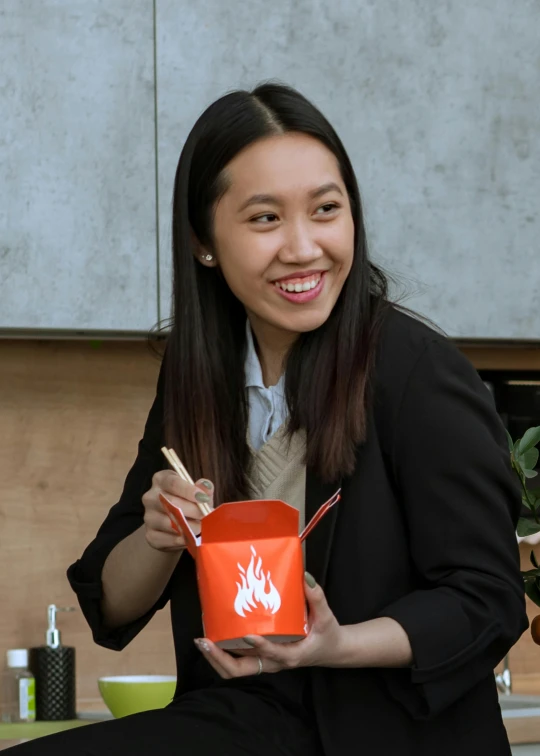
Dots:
pixel 203 646
pixel 231 666
pixel 167 523
pixel 176 523
pixel 173 513
pixel 173 484
pixel 159 522
pixel 207 487
pixel 166 526
pixel 191 511
pixel 317 604
pixel 168 510
pixel 170 481
pixel 283 654
pixel 226 665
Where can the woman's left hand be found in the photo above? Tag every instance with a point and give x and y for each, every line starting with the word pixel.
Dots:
pixel 320 648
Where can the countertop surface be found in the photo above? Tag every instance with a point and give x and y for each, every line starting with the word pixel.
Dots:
pixel 20 732
pixel 14 734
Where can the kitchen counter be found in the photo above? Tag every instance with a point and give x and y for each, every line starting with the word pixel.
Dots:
pixel 520 731
pixel 13 734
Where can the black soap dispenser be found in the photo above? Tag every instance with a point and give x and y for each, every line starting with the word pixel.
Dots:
pixel 53 666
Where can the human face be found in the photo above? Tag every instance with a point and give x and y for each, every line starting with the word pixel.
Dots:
pixel 284 221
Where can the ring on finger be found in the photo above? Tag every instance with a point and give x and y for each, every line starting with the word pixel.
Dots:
pixel 260 666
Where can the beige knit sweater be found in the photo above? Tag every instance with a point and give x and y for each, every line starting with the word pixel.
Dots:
pixel 277 470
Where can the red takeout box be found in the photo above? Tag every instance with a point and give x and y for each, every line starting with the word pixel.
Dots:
pixel 250 569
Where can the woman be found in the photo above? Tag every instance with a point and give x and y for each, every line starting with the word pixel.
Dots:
pixel 283 331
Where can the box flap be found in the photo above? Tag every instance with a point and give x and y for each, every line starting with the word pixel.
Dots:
pixel 319 514
pixel 247 520
pixel 181 525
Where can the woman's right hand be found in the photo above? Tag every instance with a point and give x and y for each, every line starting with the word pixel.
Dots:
pixel 160 533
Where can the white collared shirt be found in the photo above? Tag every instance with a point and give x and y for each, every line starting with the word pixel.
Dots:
pixel 267 406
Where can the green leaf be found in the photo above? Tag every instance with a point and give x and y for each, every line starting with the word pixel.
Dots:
pixel 530 458
pixel 532 591
pixel 530 473
pixel 522 460
pixel 527 527
pixel 534 560
pixel 530 500
pixel 530 438
pixel 510 442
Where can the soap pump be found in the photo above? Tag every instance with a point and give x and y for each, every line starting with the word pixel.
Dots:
pixel 53 666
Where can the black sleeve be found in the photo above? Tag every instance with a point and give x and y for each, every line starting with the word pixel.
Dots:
pixel 461 502
pixel 124 518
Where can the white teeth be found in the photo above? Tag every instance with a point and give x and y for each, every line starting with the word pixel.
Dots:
pixel 299 287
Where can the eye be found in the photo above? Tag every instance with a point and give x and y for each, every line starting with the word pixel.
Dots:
pixel 265 218
pixel 326 208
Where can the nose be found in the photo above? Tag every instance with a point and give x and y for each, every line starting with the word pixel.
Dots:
pixel 299 245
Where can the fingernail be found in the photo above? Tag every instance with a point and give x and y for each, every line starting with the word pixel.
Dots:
pixel 207 484
pixel 202 498
pixel 202 644
pixel 310 580
pixel 250 643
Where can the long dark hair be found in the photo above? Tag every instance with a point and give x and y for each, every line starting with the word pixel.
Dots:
pixel 328 370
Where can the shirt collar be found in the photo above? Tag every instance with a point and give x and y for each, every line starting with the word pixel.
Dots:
pixel 252 366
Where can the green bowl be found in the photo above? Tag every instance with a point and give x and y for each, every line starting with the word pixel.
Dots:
pixel 131 694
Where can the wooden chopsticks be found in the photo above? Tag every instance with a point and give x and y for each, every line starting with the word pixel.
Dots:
pixel 173 459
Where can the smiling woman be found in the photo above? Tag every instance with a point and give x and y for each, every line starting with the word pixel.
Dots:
pixel 293 243
pixel 287 375
pixel 265 198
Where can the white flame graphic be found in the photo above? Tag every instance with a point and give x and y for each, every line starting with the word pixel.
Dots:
pixel 252 589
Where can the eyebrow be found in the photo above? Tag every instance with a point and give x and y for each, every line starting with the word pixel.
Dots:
pixel 270 199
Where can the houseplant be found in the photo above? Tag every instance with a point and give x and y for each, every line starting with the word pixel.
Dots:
pixel 524 458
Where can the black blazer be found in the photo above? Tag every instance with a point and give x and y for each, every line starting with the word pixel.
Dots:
pixel 424 533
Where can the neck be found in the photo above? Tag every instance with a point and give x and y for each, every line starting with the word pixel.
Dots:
pixel 272 345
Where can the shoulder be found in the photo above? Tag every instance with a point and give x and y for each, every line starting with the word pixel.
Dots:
pixel 403 338
pixel 410 350
pixel 402 341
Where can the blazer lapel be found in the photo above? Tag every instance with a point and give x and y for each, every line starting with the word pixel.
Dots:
pixel 319 541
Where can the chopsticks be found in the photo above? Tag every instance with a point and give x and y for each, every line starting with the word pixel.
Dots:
pixel 173 459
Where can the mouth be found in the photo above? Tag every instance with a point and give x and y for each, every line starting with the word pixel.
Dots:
pixel 301 289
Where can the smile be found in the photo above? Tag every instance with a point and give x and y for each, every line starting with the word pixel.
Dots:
pixel 300 290
pixel 299 284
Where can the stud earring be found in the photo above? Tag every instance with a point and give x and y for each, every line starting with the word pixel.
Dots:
pixel 208 258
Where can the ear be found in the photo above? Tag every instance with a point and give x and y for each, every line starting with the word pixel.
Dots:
pixel 207 259
pixel 202 254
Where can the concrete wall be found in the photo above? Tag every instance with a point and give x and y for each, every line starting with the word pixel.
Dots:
pixel 437 104
pixel 77 164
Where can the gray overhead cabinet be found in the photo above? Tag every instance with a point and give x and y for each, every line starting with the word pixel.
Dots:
pixel 77 178
pixel 437 105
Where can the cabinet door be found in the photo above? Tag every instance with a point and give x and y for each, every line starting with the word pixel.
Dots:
pixel 437 104
pixel 77 184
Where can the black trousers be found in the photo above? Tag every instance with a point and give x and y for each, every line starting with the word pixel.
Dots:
pixel 220 722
